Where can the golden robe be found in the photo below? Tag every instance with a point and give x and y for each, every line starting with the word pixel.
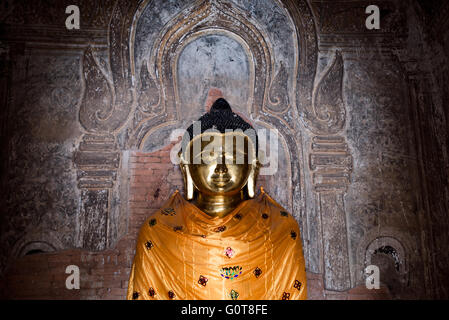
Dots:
pixel 253 253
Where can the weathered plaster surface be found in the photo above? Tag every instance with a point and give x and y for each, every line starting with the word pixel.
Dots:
pixel 362 118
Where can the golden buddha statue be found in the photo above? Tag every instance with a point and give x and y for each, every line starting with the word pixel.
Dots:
pixel 221 241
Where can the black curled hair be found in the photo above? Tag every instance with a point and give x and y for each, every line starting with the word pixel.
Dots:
pixel 220 118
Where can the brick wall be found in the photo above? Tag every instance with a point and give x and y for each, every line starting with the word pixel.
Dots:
pixel 105 275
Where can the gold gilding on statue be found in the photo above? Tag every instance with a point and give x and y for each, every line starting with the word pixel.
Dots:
pixel 219 170
pixel 220 241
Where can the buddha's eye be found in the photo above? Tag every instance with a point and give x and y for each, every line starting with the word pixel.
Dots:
pixel 210 155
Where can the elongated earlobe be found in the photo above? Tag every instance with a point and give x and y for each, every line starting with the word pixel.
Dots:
pixel 188 182
pixel 251 184
pixel 189 185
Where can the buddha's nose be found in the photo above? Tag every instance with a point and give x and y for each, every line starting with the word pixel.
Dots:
pixel 221 168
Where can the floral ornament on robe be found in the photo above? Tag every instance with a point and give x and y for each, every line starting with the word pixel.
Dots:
pixel 231 272
pixel 191 253
pixel 234 294
pixel 229 252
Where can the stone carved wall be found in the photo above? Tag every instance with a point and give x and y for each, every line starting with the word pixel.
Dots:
pixel 40 202
pixel 157 101
pixel 395 159
pixel 354 171
pixel 426 80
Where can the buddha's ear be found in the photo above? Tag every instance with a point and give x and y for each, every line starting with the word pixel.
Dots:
pixel 252 179
pixel 188 182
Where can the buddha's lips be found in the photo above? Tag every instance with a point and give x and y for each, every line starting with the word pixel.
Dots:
pixel 221 179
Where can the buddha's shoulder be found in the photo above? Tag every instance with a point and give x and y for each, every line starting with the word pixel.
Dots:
pixel 265 200
pixel 170 212
pixel 271 209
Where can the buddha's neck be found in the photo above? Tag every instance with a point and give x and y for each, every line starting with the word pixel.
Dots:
pixel 218 205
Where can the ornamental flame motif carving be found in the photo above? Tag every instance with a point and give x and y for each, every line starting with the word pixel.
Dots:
pixel 149 88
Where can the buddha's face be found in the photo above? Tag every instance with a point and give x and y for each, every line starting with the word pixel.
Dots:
pixel 221 163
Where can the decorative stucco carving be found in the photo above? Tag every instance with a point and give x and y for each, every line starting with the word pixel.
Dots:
pixel 330 163
pixel 329 114
pixel 149 98
pixel 348 168
pixel 282 63
pixel 105 107
pixel 278 100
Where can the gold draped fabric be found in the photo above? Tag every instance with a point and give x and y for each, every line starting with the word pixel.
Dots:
pixel 255 252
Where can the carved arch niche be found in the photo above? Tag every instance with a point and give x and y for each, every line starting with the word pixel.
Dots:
pixel 136 98
pixel 391 256
pixel 230 45
pixel 159 43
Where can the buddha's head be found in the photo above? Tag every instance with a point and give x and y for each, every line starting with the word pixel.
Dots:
pixel 219 154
